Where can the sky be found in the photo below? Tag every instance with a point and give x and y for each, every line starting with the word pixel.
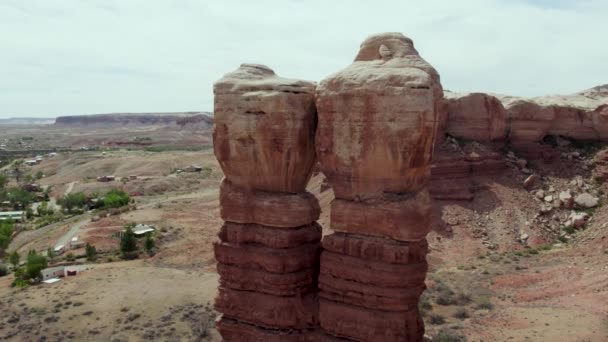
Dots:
pixel 68 57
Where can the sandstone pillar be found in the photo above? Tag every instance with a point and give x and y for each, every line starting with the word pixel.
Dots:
pixel 268 249
pixel 374 141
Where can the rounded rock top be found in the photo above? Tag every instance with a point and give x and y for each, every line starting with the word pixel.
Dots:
pixel 258 77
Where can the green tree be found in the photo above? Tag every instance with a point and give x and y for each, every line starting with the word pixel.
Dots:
pixel 72 201
pixel 91 252
pixel 149 244
pixel 35 263
pixel 115 198
pixel 13 258
pixel 128 244
pixel 6 233
pixel 39 175
pixel 19 198
pixel 3 181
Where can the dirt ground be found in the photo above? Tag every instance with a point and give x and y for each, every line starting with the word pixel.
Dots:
pixel 122 301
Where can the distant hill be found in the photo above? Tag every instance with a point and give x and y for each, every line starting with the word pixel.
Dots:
pixel 121 119
pixel 27 121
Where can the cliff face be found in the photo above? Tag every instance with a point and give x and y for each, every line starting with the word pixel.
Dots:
pixel 525 121
pixel 121 119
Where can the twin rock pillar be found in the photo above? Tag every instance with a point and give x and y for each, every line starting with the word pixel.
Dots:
pixel 376 127
pixel 269 246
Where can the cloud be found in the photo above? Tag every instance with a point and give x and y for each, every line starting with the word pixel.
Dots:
pixel 75 57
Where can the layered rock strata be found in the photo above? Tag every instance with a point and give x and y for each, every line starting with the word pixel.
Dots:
pixel 375 136
pixel 269 246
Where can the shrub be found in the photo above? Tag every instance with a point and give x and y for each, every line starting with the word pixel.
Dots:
pixel 445 335
pixel 533 251
pixel 3 270
pixel 485 304
pixel 424 304
pixel 445 298
pixel 463 298
pixel 19 283
pixel 436 319
pixel 461 313
pixel 91 252
pixel 70 257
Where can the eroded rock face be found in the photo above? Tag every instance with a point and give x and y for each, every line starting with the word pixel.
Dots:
pixel 377 126
pixel 264 129
pixel 476 116
pixel 378 121
pixel 269 247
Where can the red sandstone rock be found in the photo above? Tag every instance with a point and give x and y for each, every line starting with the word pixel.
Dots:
pixel 268 311
pixel 530 122
pixel 278 284
pixel 270 236
pixel 264 129
pixel 360 324
pixel 376 248
pixel 377 120
pixel 476 116
pixel 373 272
pixel 403 218
pixel 235 331
pixel 272 260
pixel 267 208
pixel 369 296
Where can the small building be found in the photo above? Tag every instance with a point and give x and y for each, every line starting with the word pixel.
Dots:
pixel 30 162
pixel 139 230
pixel 52 154
pixel 12 215
pixel 106 178
pixel 52 272
pixel 132 177
pixel 76 243
pixel 31 187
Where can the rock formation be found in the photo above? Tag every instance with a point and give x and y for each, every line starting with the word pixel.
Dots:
pixel 122 119
pixel 377 124
pixel 268 249
pixel 525 122
pixel 475 116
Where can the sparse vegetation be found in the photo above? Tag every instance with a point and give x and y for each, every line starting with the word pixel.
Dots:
pixel 461 313
pixel 485 304
pixel 128 243
pixel 446 335
pixel 91 252
pixel 436 319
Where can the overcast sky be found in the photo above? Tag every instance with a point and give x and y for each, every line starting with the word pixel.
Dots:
pixel 64 57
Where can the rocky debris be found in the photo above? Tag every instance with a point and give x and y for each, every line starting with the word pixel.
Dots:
pixel 458 172
pixel 268 249
pixel 577 220
pixel 372 272
pixel 585 200
pixel 530 181
pixel 600 171
pixel 566 199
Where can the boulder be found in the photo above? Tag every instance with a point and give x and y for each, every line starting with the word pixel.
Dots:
pixel 586 200
pixel 566 198
pixel 530 181
pixel 577 220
